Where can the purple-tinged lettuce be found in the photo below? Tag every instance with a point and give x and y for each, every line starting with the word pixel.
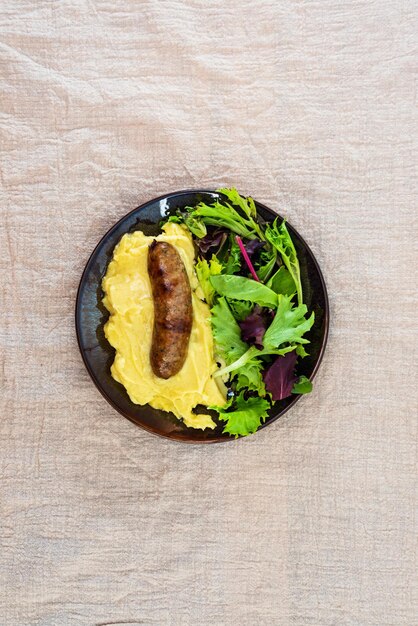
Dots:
pixel 211 242
pixel 253 245
pixel 254 327
pixel 280 377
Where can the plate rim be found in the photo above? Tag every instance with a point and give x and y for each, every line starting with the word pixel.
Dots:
pixel 92 375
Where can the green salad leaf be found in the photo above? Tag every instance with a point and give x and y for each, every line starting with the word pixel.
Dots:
pixel 226 333
pixel 176 219
pixel 197 227
pixel 241 288
pixel 278 236
pixel 240 308
pixel 204 271
pixel 282 282
pixel 300 351
pixel 233 263
pixel 268 259
pixel 247 205
pixel 289 324
pixel 244 417
pixel 239 215
pixel 250 377
pixel 302 385
pixel 250 356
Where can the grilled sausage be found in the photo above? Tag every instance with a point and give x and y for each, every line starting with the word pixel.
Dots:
pixel 173 313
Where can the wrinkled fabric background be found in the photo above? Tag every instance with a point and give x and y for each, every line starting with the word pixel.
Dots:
pixel 311 108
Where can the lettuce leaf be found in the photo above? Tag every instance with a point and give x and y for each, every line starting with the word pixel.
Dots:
pixel 279 377
pixel 226 333
pixel 250 377
pixel 279 237
pixel 300 351
pixel 254 327
pixel 247 205
pixel 196 226
pixel 244 417
pixel 239 215
pixel 289 324
pixel 233 263
pixel 249 356
pixel 241 288
pixel 204 271
pixel 302 385
pixel 240 308
pixel 214 239
pixel 282 282
pixel 254 245
pixel 266 263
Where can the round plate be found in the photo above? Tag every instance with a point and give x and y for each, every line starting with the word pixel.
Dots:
pixel 91 316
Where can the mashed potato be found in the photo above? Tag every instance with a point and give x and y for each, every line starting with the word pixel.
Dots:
pixel 128 298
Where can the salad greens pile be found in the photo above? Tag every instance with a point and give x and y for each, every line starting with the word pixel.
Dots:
pixel 250 276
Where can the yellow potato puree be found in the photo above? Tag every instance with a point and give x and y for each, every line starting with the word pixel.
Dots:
pixel 128 298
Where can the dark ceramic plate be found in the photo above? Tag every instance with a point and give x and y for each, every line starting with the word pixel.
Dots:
pixel 91 316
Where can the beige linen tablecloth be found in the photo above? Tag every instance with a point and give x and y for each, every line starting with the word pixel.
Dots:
pixel 311 108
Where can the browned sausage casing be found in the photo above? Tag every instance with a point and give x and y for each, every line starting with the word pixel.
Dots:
pixel 173 314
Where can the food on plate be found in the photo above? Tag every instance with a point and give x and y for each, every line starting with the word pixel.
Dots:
pixel 210 312
pixel 173 313
pixel 129 300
